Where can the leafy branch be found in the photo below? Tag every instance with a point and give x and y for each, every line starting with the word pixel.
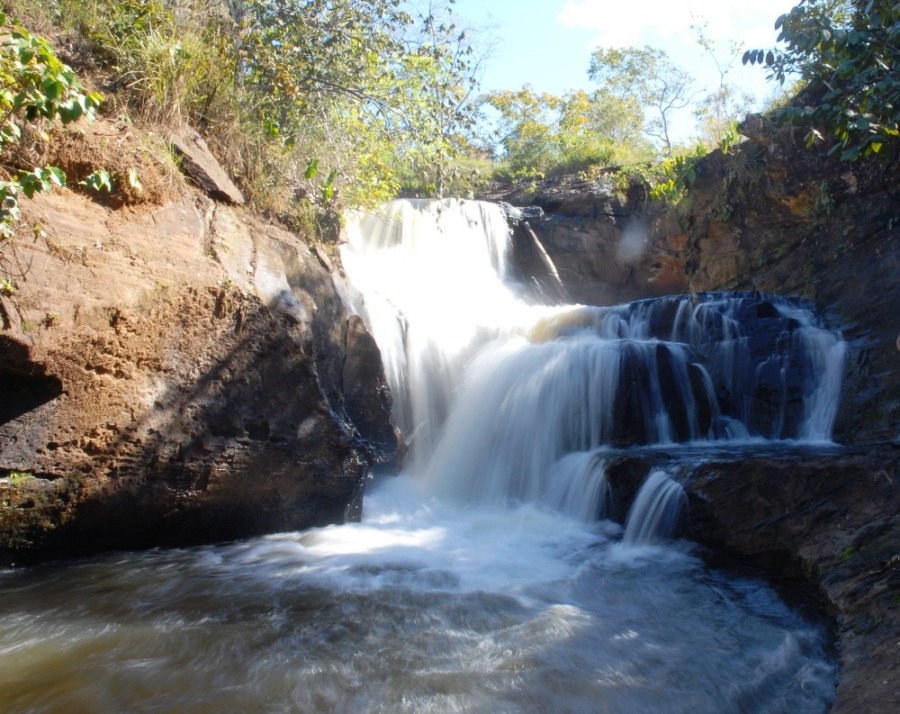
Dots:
pixel 35 85
pixel 848 54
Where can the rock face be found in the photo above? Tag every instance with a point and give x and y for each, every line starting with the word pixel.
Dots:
pixel 180 375
pixel 832 523
pixel 770 215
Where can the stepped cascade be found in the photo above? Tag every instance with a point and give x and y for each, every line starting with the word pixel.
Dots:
pixel 496 395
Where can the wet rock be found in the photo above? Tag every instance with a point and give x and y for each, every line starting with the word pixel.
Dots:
pixel 721 357
pixel 516 215
pixel 828 526
pixel 824 528
pixel 366 393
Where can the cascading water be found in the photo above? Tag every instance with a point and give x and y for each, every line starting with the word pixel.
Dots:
pixel 485 578
pixel 531 385
pixel 432 276
pixel 656 510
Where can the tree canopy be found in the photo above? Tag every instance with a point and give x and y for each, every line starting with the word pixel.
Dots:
pixel 541 134
pixel 399 81
pixel 647 77
pixel 847 54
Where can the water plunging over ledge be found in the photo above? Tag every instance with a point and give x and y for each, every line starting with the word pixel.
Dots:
pixel 495 395
pixel 486 577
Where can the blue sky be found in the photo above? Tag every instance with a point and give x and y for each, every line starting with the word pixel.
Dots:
pixel 548 43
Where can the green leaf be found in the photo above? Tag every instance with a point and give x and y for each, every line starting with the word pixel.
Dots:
pixel 328 188
pixel 134 180
pixel 99 180
pixel 56 176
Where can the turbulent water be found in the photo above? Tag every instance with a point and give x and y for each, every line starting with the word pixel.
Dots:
pixel 486 577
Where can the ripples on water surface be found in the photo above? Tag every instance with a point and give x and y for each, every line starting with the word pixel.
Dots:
pixel 421 608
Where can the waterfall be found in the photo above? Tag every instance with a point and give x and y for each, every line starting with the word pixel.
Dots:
pixel 432 276
pixel 505 401
pixel 656 510
pixel 489 576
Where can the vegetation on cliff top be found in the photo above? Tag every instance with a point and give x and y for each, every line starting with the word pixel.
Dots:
pixel 315 104
pixel 34 85
pixel 300 99
pixel 846 53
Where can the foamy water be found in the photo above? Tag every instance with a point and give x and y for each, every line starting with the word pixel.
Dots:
pixel 422 607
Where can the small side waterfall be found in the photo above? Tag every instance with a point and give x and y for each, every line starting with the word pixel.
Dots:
pixel 578 486
pixel 657 510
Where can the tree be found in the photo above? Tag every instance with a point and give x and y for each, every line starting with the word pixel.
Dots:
pixel 847 53
pixel 718 111
pixel 526 129
pixel 368 78
pixel 300 56
pixel 542 134
pixel 585 134
pixel 439 71
pixel 648 77
pixel 600 129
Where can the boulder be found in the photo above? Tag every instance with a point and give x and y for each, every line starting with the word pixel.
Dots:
pixel 198 163
pixel 823 528
pixel 181 375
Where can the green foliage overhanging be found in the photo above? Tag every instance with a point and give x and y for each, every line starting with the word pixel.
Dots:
pixel 35 86
pixel 848 55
